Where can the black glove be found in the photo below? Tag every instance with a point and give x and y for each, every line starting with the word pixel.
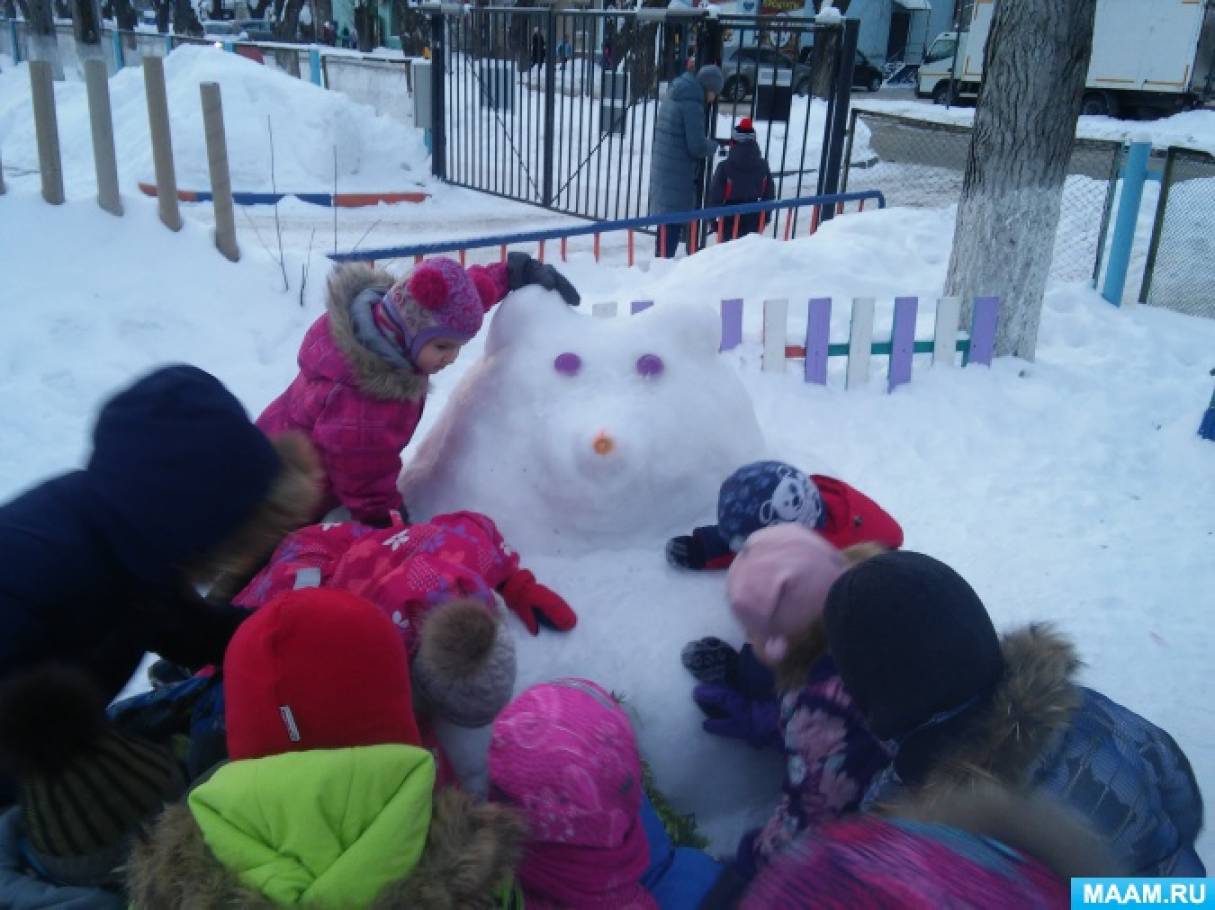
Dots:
pixel 522 270
pixel 710 660
pixel 686 552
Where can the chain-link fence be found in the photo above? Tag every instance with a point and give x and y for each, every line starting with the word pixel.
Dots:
pixel 920 163
pixel 1178 273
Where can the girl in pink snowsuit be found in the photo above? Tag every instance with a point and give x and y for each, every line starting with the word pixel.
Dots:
pixel 365 367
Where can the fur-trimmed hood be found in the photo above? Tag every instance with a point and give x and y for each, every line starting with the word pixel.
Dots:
pixel 471 851
pixel 1029 713
pixel 372 373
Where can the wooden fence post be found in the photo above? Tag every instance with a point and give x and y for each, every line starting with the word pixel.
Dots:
pixel 46 129
pixel 101 123
pixel 217 164
pixel 162 141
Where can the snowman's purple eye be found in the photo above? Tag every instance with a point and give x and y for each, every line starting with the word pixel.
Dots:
pixel 567 364
pixel 649 365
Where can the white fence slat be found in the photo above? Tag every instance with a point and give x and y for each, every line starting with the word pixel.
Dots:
pixel 945 335
pixel 776 329
pixel 860 337
pixel 604 310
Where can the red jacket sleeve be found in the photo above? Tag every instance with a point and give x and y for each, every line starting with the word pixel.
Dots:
pixel 852 517
pixel 360 440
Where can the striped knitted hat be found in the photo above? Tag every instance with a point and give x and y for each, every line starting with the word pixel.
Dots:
pixel 84 787
pixel 744 131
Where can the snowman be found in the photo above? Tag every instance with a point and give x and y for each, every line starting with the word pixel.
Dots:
pixel 589 441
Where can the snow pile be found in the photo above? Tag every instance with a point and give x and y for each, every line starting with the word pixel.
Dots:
pixel 1073 490
pixel 309 123
pixel 571 429
pixel 1188 129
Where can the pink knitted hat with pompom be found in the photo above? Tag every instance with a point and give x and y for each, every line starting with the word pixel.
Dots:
pixel 439 299
pixel 778 584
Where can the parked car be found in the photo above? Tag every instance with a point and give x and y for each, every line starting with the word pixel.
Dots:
pixel 866 74
pixel 217 28
pixel 256 29
pixel 746 67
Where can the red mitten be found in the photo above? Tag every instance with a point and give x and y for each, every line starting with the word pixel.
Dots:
pixel 533 603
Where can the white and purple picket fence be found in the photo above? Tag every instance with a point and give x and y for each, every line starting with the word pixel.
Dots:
pixel 976 346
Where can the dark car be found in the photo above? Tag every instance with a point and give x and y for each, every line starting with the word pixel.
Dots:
pixel 866 74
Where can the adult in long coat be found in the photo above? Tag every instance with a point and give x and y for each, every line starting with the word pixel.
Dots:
pixel 680 146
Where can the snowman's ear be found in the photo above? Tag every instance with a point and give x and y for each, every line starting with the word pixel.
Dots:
pixel 525 317
pixel 695 326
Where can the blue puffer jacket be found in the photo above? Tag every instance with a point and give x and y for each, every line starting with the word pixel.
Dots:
pixel 92 567
pixel 1127 777
pixel 680 145
pixel 22 889
pixel 678 877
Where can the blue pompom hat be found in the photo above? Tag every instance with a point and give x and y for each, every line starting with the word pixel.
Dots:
pixel 765 493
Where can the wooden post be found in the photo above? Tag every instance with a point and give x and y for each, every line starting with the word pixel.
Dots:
pixel 162 141
pixel 860 339
pixel 101 123
pixel 776 328
pixel 46 128
pixel 217 164
pixel 945 335
pixel 902 342
pixel 731 324
pixel 818 335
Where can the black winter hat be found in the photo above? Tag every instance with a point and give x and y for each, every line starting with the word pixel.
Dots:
pixel 178 466
pixel 84 787
pixel 912 641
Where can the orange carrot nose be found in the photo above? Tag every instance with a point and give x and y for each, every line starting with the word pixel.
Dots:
pixel 603 444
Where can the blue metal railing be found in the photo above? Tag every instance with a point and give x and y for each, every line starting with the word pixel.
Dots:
pixel 603 227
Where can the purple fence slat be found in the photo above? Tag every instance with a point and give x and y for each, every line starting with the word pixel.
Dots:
pixel 983 330
pixel 638 305
pixel 818 331
pixel 902 341
pixel 731 324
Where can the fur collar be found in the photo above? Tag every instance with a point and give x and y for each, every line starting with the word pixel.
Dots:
pixel 472 849
pixel 291 503
pixel 375 376
pixel 1030 710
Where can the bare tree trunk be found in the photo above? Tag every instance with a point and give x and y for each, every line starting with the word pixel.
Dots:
pixel 288 23
pixel 1034 70
pixel 125 15
pixel 44 43
pixel 86 25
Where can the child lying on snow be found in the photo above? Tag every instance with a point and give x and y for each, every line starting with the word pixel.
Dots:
pixel 436 581
pixel 777 590
pixel 366 363
pixel 564 754
pixel 329 800
pixel 766 493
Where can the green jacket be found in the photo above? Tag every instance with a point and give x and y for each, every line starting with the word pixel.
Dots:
pixel 327 829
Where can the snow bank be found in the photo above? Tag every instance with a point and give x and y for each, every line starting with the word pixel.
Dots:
pixel 1073 490
pixel 1189 129
pixel 373 153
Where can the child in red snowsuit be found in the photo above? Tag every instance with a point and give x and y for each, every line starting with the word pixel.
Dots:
pixel 365 367
pixel 766 493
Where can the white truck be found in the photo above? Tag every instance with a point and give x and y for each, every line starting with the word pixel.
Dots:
pixel 1157 55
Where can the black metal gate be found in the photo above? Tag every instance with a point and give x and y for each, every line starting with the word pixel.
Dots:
pixel 557 108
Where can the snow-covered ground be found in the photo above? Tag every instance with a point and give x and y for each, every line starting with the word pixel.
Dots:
pixel 1073 489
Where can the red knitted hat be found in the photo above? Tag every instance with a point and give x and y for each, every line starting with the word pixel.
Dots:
pixel 316 669
pixel 744 131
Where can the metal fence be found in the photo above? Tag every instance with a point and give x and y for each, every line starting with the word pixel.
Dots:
pixel 1178 274
pixel 922 164
pixel 558 108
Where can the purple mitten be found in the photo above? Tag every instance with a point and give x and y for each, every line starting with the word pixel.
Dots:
pixel 730 713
